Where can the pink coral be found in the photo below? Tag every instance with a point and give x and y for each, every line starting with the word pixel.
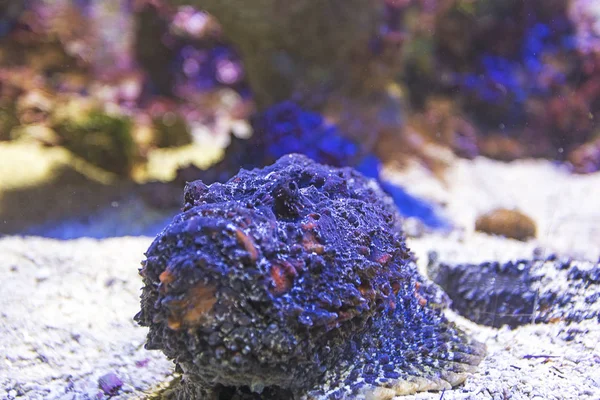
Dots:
pixel 585 15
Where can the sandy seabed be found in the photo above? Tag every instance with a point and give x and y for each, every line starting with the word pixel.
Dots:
pixel 66 307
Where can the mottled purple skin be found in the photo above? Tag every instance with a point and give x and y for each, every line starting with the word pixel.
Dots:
pixel 521 292
pixel 290 277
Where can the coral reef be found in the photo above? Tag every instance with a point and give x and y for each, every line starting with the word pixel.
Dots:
pixel 340 64
pixel 509 223
pixel 404 79
pixel 102 139
pixel 285 58
pixel 287 128
pixel 523 72
pixel 169 126
pixel 144 63
pixel 295 280
pixel 522 291
pixel 586 158
pixel 282 129
pixel 504 80
pixel 501 147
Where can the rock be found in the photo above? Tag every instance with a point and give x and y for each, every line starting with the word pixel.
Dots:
pixel 509 223
pixel 110 384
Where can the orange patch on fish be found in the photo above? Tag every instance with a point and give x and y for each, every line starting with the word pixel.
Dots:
pixel 166 277
pixel 310 243
pixel 248 244
pixel 309 225
pixel 384 258
pixel 189 310
pixel 282 275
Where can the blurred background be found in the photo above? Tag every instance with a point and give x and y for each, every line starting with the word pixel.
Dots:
pixel 107 107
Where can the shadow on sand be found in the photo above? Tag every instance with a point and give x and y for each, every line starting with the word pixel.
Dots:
pixel 70 205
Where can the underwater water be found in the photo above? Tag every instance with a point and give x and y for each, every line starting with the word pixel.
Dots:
pixel 423 174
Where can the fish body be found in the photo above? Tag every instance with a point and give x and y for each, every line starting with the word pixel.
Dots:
pixel 295 281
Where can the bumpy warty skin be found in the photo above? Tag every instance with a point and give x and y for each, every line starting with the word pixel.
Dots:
pixel 519 292
pixel 296 278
